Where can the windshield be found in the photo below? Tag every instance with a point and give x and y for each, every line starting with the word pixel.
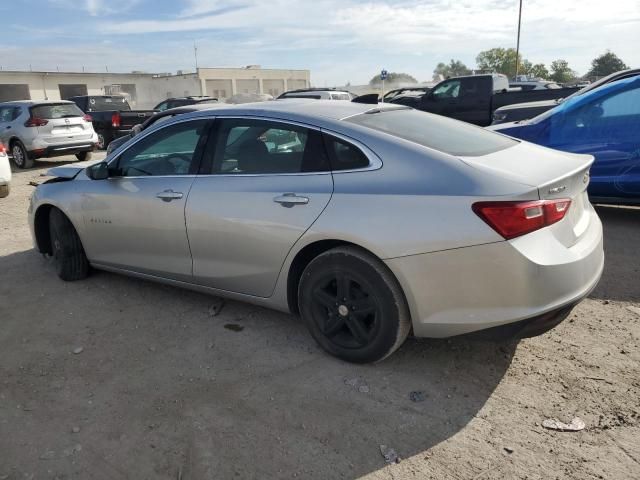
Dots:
pixel 434 131
pixel 56 110
pixel 105 104
pixel 578 99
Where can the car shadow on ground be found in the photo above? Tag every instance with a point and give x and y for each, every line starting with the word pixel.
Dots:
pixel 168 384
pixel 621 241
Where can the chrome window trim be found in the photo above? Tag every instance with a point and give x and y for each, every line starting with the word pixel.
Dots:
pixel 375 163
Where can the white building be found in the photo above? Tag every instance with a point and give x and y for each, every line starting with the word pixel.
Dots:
pixel 146 90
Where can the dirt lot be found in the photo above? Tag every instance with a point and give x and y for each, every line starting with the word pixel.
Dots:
pixel 164 389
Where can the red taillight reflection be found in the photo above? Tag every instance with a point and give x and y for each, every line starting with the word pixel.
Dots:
pixel 513 219
pixel 36 122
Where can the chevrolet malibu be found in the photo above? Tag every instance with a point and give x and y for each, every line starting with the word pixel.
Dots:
pixel 369 221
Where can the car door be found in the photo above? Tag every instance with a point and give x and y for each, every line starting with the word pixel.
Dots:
pixel 7 115
pixel 135 218
pixel 444 99
pixel 609 129
pixel 268 182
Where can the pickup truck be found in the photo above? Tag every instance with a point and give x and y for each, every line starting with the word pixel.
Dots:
pixel 111 116
pixel 474 98
pixel 525 111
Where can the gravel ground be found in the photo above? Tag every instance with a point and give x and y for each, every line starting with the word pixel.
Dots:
pixel 113 377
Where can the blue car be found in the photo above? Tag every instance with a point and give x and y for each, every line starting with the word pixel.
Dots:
pixel 604 123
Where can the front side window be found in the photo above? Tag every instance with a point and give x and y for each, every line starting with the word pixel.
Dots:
pixel 174 150
pixel 622 104
pixel 450 89
pixel 248 146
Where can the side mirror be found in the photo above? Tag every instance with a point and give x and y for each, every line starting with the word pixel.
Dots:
pixel 99 171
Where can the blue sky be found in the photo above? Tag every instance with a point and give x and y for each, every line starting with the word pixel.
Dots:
pixel 338 40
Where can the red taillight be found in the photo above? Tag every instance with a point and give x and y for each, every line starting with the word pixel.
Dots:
pixel 36 122
pixel 115 120
pixel 512 219
pixel 87 118
pixel 3 150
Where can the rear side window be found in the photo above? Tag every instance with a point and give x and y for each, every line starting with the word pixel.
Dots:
pixel 246 146
pixel 434 131
pixel 56 110
pixel 343 155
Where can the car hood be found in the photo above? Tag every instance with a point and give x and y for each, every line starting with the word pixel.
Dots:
pixel 71 170
pixel 538 104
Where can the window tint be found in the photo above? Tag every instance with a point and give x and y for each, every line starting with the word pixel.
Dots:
pixel 56 110
pixel 621 104
pixel 450 89
pixel 470 87
pixel 343 155
pixel 262 147
pixel 434 131
pixel 173 150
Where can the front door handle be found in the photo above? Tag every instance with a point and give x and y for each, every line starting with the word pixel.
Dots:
pixel 291 199
pixel 169 195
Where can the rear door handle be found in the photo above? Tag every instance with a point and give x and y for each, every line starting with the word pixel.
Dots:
pixel 291 199
pixel 169 195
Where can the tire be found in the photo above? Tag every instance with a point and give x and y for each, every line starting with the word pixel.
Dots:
pixel 4 191
pixel 373 321
pixel 68 255
pixel 20 155
pixel 103 140
pixel 84 156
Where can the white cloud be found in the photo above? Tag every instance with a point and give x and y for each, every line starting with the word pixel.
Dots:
pixel 97 8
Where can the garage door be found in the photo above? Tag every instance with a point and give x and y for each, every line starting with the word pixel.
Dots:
pixel 248 86
pixel 14 91
pixel 68 90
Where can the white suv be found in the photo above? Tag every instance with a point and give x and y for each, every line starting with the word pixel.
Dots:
pixel 39 129
pixel 5 172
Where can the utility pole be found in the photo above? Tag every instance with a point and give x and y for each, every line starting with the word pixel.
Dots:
pixel 195 53
pixel 518 42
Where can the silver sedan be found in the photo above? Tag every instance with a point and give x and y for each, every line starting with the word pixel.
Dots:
pixel 369 221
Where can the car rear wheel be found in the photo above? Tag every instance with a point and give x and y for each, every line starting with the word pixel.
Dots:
pixel 20 155
pixel 68 255
pixel 353 305
pixel 4 191
pixel 84 156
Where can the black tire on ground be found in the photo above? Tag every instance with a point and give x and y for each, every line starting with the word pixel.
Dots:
pixel 20 155
pixel 353 305
pixel 4 191
pixel 68 255
pixel 84 156
pixel 104 139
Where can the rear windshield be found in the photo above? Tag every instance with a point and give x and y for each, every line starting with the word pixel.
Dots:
pixel 56 110
pixel 102 104
pixel 434 131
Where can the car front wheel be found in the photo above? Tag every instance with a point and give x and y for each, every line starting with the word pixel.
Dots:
pixel 353 305
pixel 68 255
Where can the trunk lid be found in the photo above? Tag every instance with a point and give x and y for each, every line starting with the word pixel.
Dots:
pixel 63 123
pixel 555 174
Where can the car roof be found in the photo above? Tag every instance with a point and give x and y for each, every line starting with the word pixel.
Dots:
pixel 35 102
pixel 303 108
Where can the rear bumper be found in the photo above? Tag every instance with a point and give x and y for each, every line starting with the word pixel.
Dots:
pixel 62 149
pixel 529 280
pixel 5 170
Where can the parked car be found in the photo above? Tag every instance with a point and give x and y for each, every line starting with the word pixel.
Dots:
pixel 42 129
pixel 473 98
pixel 605 123
pixel 111 115
pixel 526 85
pixel 524 111
pixel 162 116
pixel 319 94
pixel 170 103
pixel 367 220
pixel 5 172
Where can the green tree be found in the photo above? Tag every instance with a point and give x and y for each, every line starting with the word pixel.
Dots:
pixel 539 70
pixel 561 72
pixel 455 68
pixel 393 77
pixel 500 60
pixel 606 64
